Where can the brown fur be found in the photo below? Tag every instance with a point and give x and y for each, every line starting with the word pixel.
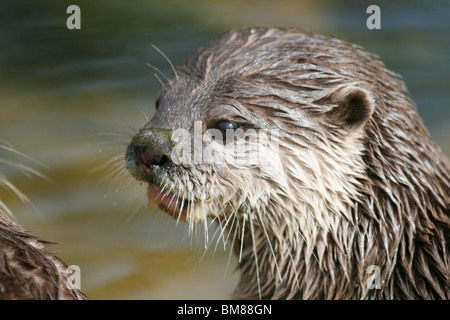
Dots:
pixel 27 269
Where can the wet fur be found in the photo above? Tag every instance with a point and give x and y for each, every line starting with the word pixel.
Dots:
pixel 28 270
pixel 358 181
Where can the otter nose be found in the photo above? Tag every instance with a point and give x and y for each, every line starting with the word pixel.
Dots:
pixel 147 158
pixel 148 149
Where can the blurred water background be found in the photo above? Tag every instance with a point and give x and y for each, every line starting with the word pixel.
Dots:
pixel 72 99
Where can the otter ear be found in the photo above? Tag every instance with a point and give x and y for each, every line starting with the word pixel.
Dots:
pixel 354 107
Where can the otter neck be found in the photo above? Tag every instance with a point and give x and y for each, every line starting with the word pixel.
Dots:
pixel 284 264
pixel 368 256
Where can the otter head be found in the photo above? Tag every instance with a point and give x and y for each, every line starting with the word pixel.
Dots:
pixel 309 153
pixel 256 119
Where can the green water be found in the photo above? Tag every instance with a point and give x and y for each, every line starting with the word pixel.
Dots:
pixel 72 99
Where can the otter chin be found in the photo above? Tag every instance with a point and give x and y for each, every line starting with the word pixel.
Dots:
pixel 313 161
pixel 164 201
pixel 175 206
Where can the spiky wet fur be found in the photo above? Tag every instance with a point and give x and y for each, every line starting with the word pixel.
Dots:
pixel 337 201
pixel 28 270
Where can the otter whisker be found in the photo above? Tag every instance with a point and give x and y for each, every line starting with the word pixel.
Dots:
pixel 205 223
pixel 190 215
pixel 219 229
pixel 252 232
pixel 113 166
pixel 145 116
pixel 25 169
pixel 20 154
pixel 122 179
pixel 130 216
pixel 162 189
pixel 120 171
pixel 177 195
pixel 4 208
pixel 115 170
pixel 222 228
pixel 168 193
pixel 159 71
pixel 242 236
pixel 235 233
pixel 211 242
pixel 8 185
pixel 183 201
pixel 234 225
pixel 159 80
pixel 168 60
pixel 180 209
pixel 269 243
pixel 107 134
pixel 232 216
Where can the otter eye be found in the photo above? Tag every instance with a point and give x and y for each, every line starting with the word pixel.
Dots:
pixel 226 128
pixel 157 103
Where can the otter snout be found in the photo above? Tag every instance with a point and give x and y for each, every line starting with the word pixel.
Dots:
pixel 149 149
pixel 147 159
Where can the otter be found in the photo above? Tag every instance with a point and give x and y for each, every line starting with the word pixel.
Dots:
pixel 351 202
pixel 28 270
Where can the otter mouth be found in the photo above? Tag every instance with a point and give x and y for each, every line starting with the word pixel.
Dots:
pixel 166 201
pixel 177 207
pixel 152 168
